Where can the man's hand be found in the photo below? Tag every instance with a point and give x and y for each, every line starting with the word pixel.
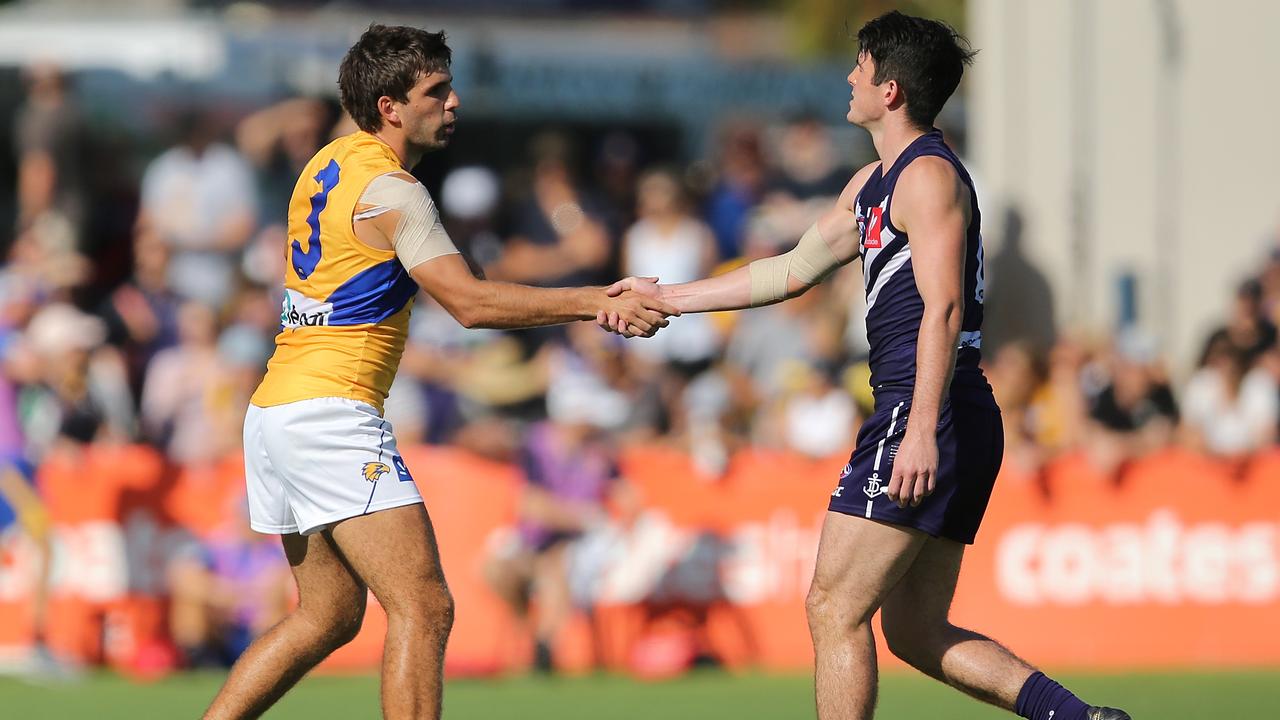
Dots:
pixel 646 286
pixel 915 468
pixel 634 314
pixel 643 285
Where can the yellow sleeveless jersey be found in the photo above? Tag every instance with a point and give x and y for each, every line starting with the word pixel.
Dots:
pixel 346 305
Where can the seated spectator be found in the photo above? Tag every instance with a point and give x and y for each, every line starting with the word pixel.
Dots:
pixel 1248 327
pixel 570 472
pixel 1229 409
pixel 226 594
pixel 1017 376
pixel 812 415
pixel 1060 409
pixel 182 388
pixel 75 387
pixel 1135 405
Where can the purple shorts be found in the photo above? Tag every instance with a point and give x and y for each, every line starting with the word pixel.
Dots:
pixel 970 450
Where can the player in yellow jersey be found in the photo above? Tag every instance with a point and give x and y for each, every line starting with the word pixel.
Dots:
pixel 321 463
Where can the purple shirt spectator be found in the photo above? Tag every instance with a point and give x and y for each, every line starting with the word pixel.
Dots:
pixel 574 472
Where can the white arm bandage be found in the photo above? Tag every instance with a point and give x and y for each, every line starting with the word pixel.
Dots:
pixel 419 236
pixel 809 261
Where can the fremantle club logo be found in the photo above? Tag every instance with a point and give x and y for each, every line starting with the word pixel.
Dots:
pixel 873 489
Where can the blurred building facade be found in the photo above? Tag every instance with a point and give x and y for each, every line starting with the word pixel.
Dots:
pixel 1121 137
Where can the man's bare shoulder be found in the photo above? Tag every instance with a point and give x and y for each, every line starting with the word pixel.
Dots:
pixel 929 173
pixel 930 182
pixel 929 187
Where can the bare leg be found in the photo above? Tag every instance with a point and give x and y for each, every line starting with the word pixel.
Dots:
pixel 551 588
pixel 331 603
pixel 190 617
pixel 394 551
pixel 917 629
pixel 509 577
pixel 859 561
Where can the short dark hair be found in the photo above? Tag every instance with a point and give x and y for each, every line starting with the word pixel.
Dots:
pixel 387 60
pixel 925 57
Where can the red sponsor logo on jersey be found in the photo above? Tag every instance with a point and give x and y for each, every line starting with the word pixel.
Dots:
pixel 875 223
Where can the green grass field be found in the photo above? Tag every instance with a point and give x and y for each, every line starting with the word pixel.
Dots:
pixel 1172 696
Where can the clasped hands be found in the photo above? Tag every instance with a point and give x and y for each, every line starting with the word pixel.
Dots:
pixel 635 307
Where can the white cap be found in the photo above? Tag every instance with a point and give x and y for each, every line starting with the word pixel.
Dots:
pixel 469 192
pixel 60 327
pixel 586 400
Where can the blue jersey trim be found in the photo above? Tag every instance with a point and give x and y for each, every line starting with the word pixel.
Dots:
pixel 372 295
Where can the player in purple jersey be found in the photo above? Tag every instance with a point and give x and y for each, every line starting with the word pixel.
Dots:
pixel 916 487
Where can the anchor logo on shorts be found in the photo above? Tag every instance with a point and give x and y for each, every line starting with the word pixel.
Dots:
pixel 873 488
pixel 375 470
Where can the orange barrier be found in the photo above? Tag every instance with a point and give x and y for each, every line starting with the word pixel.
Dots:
pixel 1175 563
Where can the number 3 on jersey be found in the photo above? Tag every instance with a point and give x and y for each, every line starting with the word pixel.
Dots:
pixel 304 263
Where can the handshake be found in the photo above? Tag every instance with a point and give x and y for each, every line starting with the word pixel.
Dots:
pixel 634 307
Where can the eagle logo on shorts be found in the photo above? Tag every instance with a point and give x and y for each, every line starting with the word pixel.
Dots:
pixel 375 470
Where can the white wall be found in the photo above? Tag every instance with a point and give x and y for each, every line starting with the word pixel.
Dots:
pixel 1123 162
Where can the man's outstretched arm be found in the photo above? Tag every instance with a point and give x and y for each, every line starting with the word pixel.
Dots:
pixel 396 213
pixel 831 242
pixel 477 303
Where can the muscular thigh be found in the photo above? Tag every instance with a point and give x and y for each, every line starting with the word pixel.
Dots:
pixel 325 580
pixel 921 600
pixel 393 551
pixel 860 561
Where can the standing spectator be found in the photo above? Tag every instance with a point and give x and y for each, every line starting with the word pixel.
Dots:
pixel 809 161
pixel 52 142
pixel 199 196
pixel 742 180
pixel 559 239
pixel 668 243
pixel 278 141
pixel 142 314
pixel 469 198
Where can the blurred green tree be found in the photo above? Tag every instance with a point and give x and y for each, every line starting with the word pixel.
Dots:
pixel 823 28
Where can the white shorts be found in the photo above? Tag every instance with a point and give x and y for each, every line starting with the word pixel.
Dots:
pixel 311 463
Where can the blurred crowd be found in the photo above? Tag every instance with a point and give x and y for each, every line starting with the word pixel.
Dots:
pixel 160 336
pixel 1116 398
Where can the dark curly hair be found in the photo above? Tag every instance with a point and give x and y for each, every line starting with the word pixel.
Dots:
pixel 925 57
pixel 387 60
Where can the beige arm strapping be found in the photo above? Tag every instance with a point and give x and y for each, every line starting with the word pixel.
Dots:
pixel 419 236
pixel 809 261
